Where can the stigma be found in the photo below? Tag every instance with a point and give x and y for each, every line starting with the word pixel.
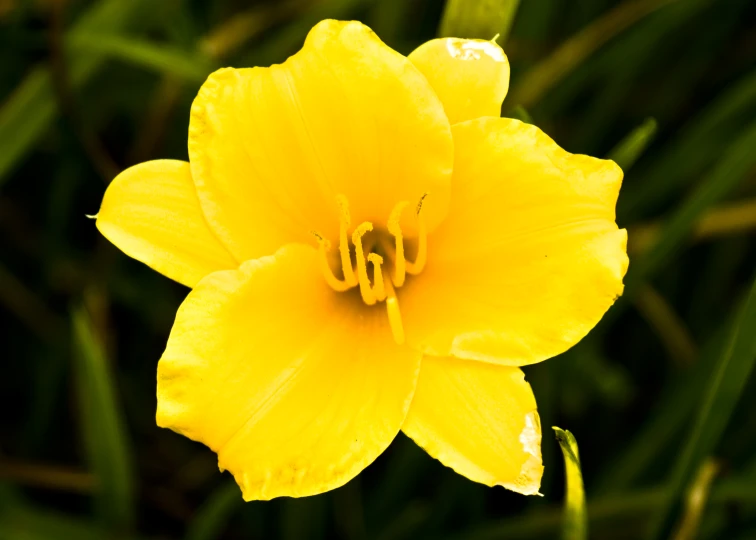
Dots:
pixel 386 278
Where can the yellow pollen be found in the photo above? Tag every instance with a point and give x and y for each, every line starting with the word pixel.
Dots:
pixel 394 316
pixel 416 267
pixel 378 288
pixel 396 231
pixel 337 284
pixel 365 289
pixel 344 222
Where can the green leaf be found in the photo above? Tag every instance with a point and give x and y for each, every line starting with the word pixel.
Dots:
pixel 575 526
pixel 28 112
pixel 103 429
pixel 629 149
pixel 160 58
pixel 723 392
pixel 214 514
pixel 481 19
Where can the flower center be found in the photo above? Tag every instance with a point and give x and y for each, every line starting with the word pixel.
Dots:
pixel 385 282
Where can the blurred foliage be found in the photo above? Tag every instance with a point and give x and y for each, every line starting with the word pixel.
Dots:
pixel 659 389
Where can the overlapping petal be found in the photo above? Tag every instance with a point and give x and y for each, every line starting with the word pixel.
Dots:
pixel 479 419
pixel 470 76
pixel 271 148
pixel 296 388
pixel 529 257
pixel 151 212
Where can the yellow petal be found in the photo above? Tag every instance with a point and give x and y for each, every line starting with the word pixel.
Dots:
pixel 529 258
pixel 151 213
pixel 470 76
pixel 479 419
pixel 296 387
pixel 271 148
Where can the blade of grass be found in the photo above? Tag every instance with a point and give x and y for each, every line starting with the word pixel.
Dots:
pixel 629 149
pixel 575 525
pixel 215 513
pixel 724 220
pixel 520 113
pixel 27 113
pixel 544 76
pixel 696 500
pixel 664 425
pixel 238 29
pixel 482 19
pixel 667 325
pixel 729 171
pixel 723 392
pixel 24 522
pixel 693 149
pixel 102 425
pixel 161 58
pixel 630 508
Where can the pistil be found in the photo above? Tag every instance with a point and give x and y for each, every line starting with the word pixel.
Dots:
pixel 394 315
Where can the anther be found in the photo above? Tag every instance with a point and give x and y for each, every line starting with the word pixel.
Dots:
pixel 422 242
pixel 365 289
pixel 396 231
pixel 346 259
pixel 394 316
pixel 337 284
pixel 378 288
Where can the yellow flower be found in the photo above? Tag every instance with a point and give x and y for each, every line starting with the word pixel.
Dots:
pixel 370 249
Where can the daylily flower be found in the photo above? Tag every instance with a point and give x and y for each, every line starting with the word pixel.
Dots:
pixel 370 249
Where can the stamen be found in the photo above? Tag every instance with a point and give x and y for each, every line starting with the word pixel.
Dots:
pixel 365 289
pixel 346 259
pixel 394 316
pixel 378 288
pixel 336 284
pixel 396 232
pixel 422 242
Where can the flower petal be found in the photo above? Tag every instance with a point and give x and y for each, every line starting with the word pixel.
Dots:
pixel 529 257
pixel 296 387
pixel 470 76
pixel 479 419
pixel 271 148
pixel 151 213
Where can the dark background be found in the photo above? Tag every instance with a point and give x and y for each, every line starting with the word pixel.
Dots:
pixel 88 88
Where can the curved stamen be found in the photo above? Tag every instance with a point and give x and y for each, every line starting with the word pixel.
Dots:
pixel 378 288
pixel 394 315
pixel 396 231
pixel 416 267
pixel 346 259
pixel 365 289
pixel 337 284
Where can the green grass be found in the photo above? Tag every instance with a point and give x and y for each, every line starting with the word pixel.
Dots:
pixel 661 387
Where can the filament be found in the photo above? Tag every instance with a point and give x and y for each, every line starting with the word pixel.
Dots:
pixel 396 231
pixel 365 289
pixel 337 284
pixel 416 267
pixel 346 259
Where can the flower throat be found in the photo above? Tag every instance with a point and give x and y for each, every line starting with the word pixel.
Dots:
pixel 384 284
